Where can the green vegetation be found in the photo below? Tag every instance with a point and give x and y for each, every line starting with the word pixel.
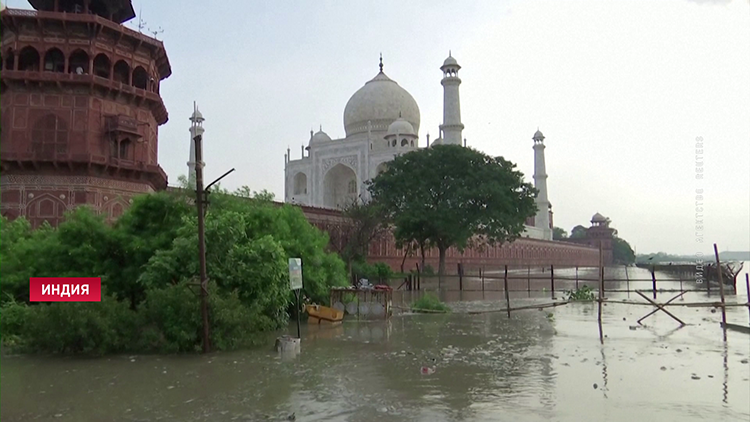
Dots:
pixel 352 240
pixel 578 232
pixel 451 196
pixel 148 262
pixel 622 253
pixel 378 272
pixel 583 294
pixel 559 234
pixel 429 302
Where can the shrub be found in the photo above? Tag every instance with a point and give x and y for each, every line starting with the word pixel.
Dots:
pixel 429 302
pixel 583 294
pixel 80 327
pixel 373 272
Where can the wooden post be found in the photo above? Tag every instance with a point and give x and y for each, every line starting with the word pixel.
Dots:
pixel 707 279
pixel 653 281
pixel 721 288
pixel 460 278
pixel 747 288
pixel 481 275
pixel 601 294
pixel 552 279
pixel 528 276
pixel 528 280
pixel 507 297
pixel 576 277
pixel 627 277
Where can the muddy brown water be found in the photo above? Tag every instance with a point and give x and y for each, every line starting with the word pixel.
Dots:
pixel 536 366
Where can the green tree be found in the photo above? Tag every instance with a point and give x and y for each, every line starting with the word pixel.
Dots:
pixel 559 234
pixel 578 232
pixel 151 224
pixel 454 196
pixel 352 239
pixel 622 253
pixel 148 264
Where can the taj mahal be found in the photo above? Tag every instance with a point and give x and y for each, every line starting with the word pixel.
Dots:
pixel 381 120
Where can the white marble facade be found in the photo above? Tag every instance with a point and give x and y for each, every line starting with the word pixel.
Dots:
pixel 381 120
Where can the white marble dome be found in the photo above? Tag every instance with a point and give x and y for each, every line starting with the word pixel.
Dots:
pixel 320 136
pixel 401 127
pixel 379 102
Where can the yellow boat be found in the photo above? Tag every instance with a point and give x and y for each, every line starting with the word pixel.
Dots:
pixel 323 315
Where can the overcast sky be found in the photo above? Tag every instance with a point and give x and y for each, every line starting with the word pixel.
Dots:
pixel 621 91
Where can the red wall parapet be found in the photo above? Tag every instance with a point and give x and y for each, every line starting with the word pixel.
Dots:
pixel 520 253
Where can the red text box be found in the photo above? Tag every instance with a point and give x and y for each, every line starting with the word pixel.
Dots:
pixel 65 289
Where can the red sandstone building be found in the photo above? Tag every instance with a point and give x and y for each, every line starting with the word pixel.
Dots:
pixel 80 109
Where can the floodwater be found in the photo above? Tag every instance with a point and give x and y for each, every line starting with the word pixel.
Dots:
pixel 539 365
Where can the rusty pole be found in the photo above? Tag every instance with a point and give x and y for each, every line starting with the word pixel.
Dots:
pixel 200 198
pixel 721 287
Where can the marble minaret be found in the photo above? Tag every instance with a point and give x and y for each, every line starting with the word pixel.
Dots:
pixel 452 127
pixel 542 219
pixel 196 128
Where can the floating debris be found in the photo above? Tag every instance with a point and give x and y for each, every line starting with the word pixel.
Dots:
pixel 427 371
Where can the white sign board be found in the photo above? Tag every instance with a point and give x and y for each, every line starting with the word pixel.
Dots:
pixel 295 273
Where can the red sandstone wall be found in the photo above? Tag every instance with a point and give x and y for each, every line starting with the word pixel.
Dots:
pixel 46 197
pixel 521 253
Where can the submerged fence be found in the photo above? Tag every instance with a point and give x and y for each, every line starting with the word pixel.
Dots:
pixel 556 280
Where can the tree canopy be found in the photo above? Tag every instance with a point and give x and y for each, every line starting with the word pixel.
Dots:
pixel 622 253
pixel 451 196
pixel 559 234
pixel 578 232
pixel 148 262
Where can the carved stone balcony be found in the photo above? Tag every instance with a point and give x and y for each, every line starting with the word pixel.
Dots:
pixel 122 125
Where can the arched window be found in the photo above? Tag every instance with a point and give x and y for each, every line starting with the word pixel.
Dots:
pixel 49 136
pixel 102 65
pixel 54 61
pixel 412 144
pixel 352 186
pixel 404 142
pixel 300 184
pixel 394 143
pixel 9 60
pixel 78 62
pixel 140 78
pixel 28 59
pixel 122 72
